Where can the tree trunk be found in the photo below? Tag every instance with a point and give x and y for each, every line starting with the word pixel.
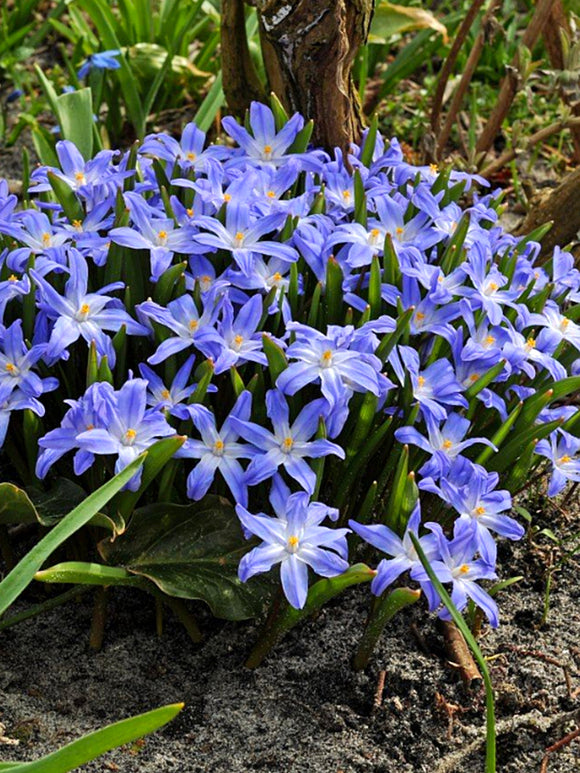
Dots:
pixel 309 47
pixel 561 207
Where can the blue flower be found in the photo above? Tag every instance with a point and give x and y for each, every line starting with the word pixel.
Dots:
pixel 102 60
pixel 401 552
pixel 131 428
pixel 218 450
pixel 242 235
pixel 562 450
pixel 434 388
pixel 90 412
pixel 475 498
pixel 267 146
pixel 444 444
pixel 239 339
pixel 17 361
pixel 288 445
pixel 191 327
pixel 163 398
pixel 157 235
pixel 82 314
pixel 15 400
pixel 296 542
pixel 327 358
pixel 455 564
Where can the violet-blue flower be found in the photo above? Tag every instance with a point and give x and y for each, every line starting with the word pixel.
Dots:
pixel 295 542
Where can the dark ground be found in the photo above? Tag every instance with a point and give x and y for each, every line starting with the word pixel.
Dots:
pixel 304 710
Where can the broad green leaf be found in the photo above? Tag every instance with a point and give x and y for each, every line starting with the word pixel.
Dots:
pixel 95 744
pixel 15 505
pixel 390 19
pixel 22 574
pixel 75 117
pixel 190 551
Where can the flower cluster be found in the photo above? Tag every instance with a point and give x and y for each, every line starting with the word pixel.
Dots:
pixel 317 327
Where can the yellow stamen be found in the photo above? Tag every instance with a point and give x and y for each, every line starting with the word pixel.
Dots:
pixel 464 568
pixel 239 340
pixel 493 286
pixel 489 340
pixel 421 380
pixel 267 149
pixel 271 195
pixel 399 230
pixel 10 367
pixel 419 316
pixel 79 177
pixel 90 427
pixel 474 376
pixel 193 324
pixel 293 542
pixel 12 278
pixel 77 225
pixel 46 239
pixel 191 156
pixel 218 446
pixel 531 343
pixel 130 434
pixel 447 444
pixel 287 443
pixel 277 277
pixel 227 197
pixel 189 212
pixel 85 308
pixel 565 459
pixel 165 394
pixel 564 324
pixel 327 356
pixel 479 510
pixel 346 195
pixel 433 168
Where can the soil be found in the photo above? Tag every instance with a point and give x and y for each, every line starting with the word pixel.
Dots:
pixel 305 710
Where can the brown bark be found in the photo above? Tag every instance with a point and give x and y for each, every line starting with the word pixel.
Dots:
pixel 561 207
pixel 240 81
pixel 309 47
pixel 558 23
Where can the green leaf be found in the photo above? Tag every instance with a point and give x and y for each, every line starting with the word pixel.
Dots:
pixel 87 573
pixel 277 361
pixel 390 20
pixel 95 744
pixel 319 594
pixel 157 457
pixel 386 608
pixel 490 757
pixel 212 102
pixel 75 117
pixel 66 198
pixel 21 576
pixel 190 551
pixel 15 505
pixel 106 23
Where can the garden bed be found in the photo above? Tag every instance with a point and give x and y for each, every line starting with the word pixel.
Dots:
pixel 305 709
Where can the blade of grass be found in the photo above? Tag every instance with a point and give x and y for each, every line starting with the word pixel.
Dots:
pixel 95 744
pixel 22 574
pixel 457 617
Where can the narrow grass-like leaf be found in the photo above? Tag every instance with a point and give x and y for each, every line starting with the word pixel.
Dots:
pixel 457 617
pixel 22 574
pixel 95 744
